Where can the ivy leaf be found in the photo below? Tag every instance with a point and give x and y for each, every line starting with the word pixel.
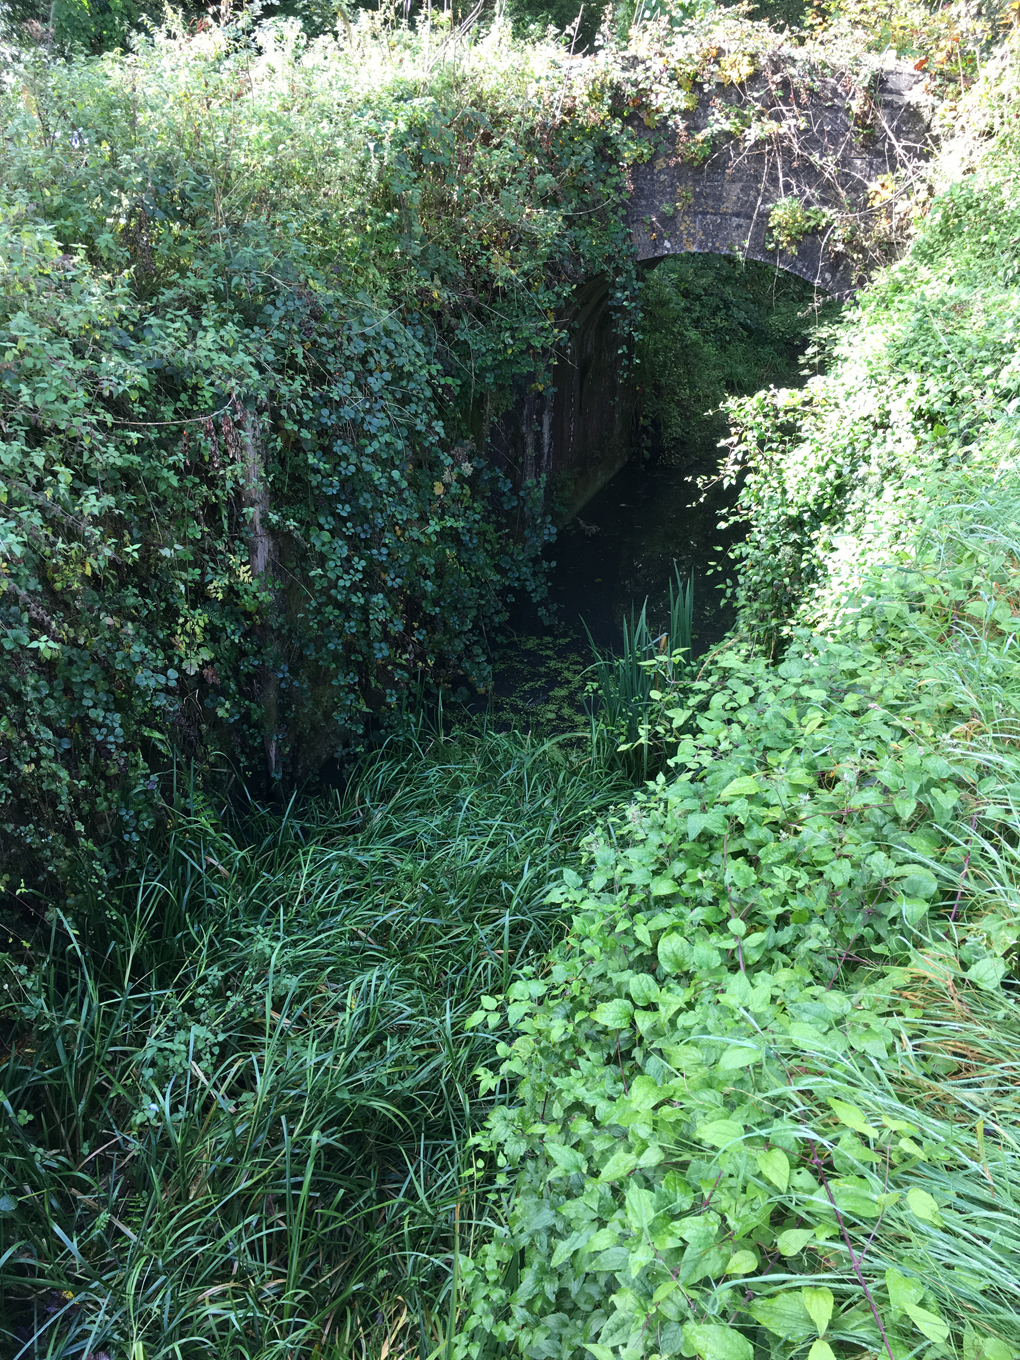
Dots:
pixel 818 1301
pixel 775 1166
pixel 710 1341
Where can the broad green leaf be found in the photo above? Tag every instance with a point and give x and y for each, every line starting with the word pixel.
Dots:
pixel 821 1350
pixel 785 1315
pixel 640 1207
pixel 929 1323
pixel 902 1291
pixel 741 787
pixel 711 1341
pixel 854 1196
pixel 675 953
pixel 720 1132
pixel 794 1240
pixel 568 1159
pixel 662 887
pixel 923 1206
pixel 645 1092
pixel 916 881
pixel 818 1301
pixel 599 1352
pixel 644 989
pixel 987 973
pixel 620 1164
pixel 741 1263
pixel 615 1014
pixel 775 1166
pixel 571 878
pixel 736 1056
pixel 977 1347
pixel 853 1117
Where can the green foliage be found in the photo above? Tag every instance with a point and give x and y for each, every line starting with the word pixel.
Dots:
pixel 742 1075
pixel 767 1082
pixel 713 327
pixel 236 1087
pixel 258 302
pixel 920 379
pixel 626 689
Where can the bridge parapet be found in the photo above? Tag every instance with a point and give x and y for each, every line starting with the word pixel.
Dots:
pixel 833 157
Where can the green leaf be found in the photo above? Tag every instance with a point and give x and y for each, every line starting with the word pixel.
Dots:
pixel 741 1263
pixel 977 1347
pixel 794 1240
pixel 8 1204
pixel 785 1315
pixel 774 1165
pixel 615 1014
pixel 644 989
pixel 571 878
pixel 568 1159
pixel 923 1206
pixel 853 1117
pixel 902 1291
pixel 737 1055
pixel 818 1301
pixel 929 1323
pixel 662 887
pixel 720 1132
pixel 675 954
pixel 987 973
pixel 620 1164
pixel 821 1350
pixel 711 1341
pixel 599 1352
pixel 742 787
pixel 646 1093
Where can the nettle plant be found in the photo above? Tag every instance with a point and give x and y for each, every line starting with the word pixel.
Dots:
pixel 740 1127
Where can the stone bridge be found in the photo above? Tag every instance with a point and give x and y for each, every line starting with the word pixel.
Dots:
pixel 836 156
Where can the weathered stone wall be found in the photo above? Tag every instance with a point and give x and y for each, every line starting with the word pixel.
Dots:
pixel 831 145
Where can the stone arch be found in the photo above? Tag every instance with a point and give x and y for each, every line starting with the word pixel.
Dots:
pixel 832 145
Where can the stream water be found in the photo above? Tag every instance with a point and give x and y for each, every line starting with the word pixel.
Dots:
pixel 620 550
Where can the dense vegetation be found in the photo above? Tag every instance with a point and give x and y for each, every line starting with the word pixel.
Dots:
pixel 767 1083
pixel 484 1056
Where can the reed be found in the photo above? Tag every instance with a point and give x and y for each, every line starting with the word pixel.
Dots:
pixel 625 688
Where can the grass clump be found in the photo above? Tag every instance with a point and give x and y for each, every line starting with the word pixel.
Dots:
pixel 236 1087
